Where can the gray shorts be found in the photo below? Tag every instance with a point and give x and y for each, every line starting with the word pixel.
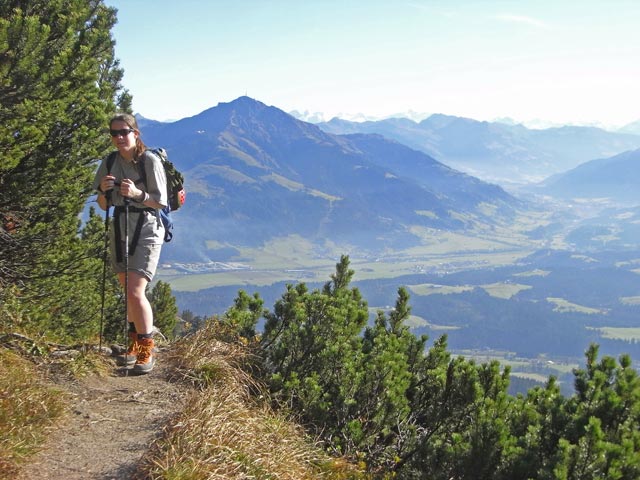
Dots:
pixel 144 260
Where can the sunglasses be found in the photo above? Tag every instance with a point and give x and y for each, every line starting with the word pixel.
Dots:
pixel 124 132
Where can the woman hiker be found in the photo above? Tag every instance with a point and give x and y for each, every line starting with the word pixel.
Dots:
pixel 138 176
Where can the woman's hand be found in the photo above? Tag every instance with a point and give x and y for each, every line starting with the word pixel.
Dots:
pixel 107 183
pixel 128 189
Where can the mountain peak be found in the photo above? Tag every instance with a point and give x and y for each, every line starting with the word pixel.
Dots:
pixel 244 102
pixel 244 113
pixel 244 105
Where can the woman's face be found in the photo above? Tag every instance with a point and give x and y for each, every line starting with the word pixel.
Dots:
pixel 123 136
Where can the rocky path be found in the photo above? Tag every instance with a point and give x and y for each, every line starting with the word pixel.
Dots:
pixel 110 426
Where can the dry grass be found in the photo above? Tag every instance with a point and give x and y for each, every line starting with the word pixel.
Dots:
pixel 228 430
pixel 29 404
pixel 27 408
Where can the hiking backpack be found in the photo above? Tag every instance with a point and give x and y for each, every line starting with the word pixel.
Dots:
pixel 176 193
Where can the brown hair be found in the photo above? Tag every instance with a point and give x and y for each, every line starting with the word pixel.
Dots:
pixel 133 123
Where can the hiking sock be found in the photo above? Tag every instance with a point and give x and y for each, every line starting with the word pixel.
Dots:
pixel 132 327
pixel 145 335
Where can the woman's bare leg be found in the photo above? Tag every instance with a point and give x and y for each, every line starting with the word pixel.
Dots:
pixel 138 308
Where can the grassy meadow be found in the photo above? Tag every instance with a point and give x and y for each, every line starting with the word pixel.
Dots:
pixel 617 333
pixel 294 258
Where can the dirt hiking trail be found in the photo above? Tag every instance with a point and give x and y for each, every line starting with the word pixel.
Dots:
pixel 110 425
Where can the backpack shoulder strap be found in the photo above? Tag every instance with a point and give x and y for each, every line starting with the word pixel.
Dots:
pixel 142 169
pixel 141 164
pixel 143 178
pixel 110 160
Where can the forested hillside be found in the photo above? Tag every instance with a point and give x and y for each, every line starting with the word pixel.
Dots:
pixel 59 84
pixel 405 405
pixel 548 306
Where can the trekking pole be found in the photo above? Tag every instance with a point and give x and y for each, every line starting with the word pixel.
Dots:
pixel 104 269
pixel 126 271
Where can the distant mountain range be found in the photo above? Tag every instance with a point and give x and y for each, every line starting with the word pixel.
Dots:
pixel 254 172
pixel 633 128
pixel 616 179
pixel 498 152
pixel 320 117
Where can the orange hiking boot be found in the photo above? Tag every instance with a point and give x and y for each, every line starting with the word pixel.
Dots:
pixel 130 357
pixel 145 359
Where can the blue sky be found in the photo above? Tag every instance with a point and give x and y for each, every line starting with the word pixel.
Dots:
pixel 560 61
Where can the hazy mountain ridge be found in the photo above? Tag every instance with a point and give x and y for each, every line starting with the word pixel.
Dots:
pixel 633 128
pixel 615 178
pixel 496 151
pixel 258 172
pixel 255 173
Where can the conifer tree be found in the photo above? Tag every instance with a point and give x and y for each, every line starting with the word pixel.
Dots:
pixel 602 439
pixel 459 412
pixel 59 83
pixel 312 349
pixel 389 350
pixel 243 316
pixel 538 421
pixel 165 310
pixel 190 322
pixel 374 393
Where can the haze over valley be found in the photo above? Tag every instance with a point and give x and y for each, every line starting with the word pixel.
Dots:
pixel 517 243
